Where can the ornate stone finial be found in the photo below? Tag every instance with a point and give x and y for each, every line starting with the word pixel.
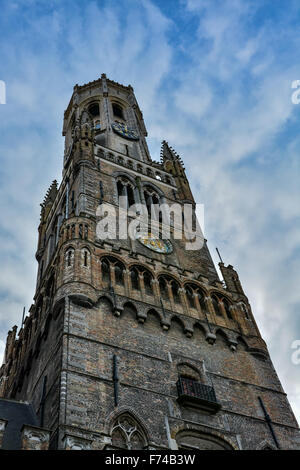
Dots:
pixel 50 194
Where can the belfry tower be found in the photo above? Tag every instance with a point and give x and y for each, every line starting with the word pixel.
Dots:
pixel 136 343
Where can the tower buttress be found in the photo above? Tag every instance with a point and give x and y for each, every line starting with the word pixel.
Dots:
pixel 173 164
pixel 231 279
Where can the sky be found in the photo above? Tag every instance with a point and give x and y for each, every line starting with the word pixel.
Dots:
pixel 214 79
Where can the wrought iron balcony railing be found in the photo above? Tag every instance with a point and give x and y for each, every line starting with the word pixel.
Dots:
pixel 191 392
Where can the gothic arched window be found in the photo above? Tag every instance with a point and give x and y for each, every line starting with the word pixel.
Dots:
pixel 148 282
pixel 194 292
pixel 139 271
pixel 109 263
pixel 190 297
pixel 126 189
pixel 117 110
pixel 192 440
pixel 227 309
pixel 175 292
pixel 127 434
pixel 163 288
pixel 119 278
pixel 94 110
pixel 85 255
pixel 134 277
pixel 164 283
pixel 153 201
pixel 105 269
pixel 216 305
pixel 70 257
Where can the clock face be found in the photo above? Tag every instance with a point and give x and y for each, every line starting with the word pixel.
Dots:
pixel 124 131
pixel 155 244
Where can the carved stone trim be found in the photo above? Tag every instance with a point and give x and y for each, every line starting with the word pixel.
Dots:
pixel 72 442
pixel 210 338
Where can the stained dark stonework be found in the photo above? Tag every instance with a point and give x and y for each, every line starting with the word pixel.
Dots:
pixel 125 347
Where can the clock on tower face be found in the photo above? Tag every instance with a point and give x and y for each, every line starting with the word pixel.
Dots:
pixel 156 244
pixel 124 131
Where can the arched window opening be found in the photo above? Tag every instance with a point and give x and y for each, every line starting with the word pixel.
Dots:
pixel 70 257
pixel 193 440
pixel 94 110
pixel 148 201
pixel 105 269
pixel 86 257
pixel 109 263
pixel 163 288
pixel 135 274
pixel 134 277
pixel 120 188
pixel 216 305
pixel 127 434
pixel 175 292
pixel 202 301
pixel 119 276
pixel 155 199
pixel 152 201
pixel 227 309
pixel 193 292
pixel 190 297
pixel 118 111
pixel 130 196
pixel 186 371
pixel 126 190
pixel 148 283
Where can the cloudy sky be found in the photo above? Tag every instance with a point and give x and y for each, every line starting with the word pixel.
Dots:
pixel 214 79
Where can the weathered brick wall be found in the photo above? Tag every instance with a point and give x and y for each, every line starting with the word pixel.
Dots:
pixel 148 379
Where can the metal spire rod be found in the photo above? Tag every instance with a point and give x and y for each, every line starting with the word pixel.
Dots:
pixel 23 316
pixel 219 255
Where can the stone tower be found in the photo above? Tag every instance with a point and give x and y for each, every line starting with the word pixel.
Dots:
pixel 135 342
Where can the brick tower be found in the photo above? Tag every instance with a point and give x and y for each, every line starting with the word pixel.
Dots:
pixel 136 343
